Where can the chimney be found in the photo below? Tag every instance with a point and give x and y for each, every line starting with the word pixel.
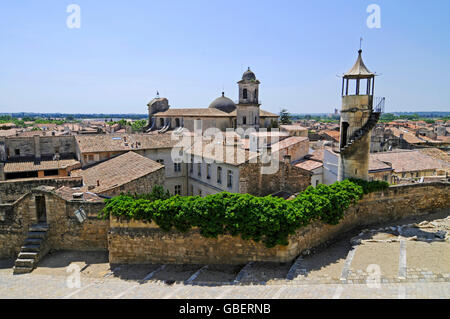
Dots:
pixel 287 159
pixel 2 171
pixel 3 155
pixel 37 149
pixel 269 150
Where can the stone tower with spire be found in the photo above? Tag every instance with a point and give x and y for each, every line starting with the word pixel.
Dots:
pixel 358 118
pixel 247 112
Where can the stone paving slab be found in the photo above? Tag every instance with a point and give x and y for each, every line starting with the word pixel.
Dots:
pixel 383 255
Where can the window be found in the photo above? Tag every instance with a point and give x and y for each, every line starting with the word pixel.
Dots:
pixel 256 120
pixel 208 171
pixel 230 179
pixel 161 122
pixel 244 120
pixel 90 158
pixel 177 167
pixel 191 168
pixel 219 175
pixel 17 152
pixel 177 122
pixel 244 94
pixel 52 172
pixel 177 189
pixel 160 161
pixel 199 168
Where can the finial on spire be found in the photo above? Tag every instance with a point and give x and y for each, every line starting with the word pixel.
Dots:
pixel 157 94
pixel 248 68
pixel 360 43
pixel 223 93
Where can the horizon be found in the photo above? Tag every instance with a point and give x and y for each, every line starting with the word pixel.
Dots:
pixel 122 54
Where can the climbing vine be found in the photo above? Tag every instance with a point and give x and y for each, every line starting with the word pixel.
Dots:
pixel 267 219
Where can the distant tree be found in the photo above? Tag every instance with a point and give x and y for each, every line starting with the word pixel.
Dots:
pixel 285 117
pixel 138 125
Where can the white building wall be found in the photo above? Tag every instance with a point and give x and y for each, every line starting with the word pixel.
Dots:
pixel 330 167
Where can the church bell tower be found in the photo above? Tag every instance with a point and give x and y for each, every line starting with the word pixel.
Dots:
pixel 247 112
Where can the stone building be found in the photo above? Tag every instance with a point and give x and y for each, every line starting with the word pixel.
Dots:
pixel 94 149
pixel 358 118
pixel 235 168
pixel 126 173
pixel 222 113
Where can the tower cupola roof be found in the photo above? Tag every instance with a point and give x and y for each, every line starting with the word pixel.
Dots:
pixel 249 75
pixel 359 70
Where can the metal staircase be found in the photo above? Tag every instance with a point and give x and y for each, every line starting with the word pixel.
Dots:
pixel 370 124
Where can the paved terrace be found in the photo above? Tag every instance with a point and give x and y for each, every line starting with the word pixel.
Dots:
pixel 412 258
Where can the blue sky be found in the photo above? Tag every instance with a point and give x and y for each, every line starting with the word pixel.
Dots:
pixel 191 50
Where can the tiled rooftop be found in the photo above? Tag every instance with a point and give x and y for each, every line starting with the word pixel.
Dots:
pixel 408 161
pixel 117 171
pixel 67 194
pixel 123 142
pixel 31 166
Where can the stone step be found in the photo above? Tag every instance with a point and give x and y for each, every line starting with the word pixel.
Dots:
pixel 28 255
pixel 37 234
pixel 30 248
pixel 22 270
pixel 25 262
pixel 39 227
pixel 33 241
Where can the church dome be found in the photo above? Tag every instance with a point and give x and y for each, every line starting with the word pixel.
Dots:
pixel 249 75
pixel 223 103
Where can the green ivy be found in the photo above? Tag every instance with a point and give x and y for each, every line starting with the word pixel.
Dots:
pixel 267 219
pixel 370 187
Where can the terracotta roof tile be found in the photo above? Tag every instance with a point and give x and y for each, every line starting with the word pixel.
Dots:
pixel 117 171
pixel 30 166
pixel 408 161
pixel 123 142
pixel 308 165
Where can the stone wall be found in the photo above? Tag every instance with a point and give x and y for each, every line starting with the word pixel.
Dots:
pixel 287 177
pixel 142 185
pixel 14 189
pixel 65 231
pixel 37 146
pixel 135 242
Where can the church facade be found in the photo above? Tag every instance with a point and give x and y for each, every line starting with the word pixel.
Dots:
pixel 222 113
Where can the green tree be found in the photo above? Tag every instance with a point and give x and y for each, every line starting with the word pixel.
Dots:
pixel 285 117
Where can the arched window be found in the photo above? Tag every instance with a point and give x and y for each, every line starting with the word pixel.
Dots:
pixel 244 94
pixel 255 97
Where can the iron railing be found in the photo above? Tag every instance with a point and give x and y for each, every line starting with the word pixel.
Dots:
pixel 379 104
